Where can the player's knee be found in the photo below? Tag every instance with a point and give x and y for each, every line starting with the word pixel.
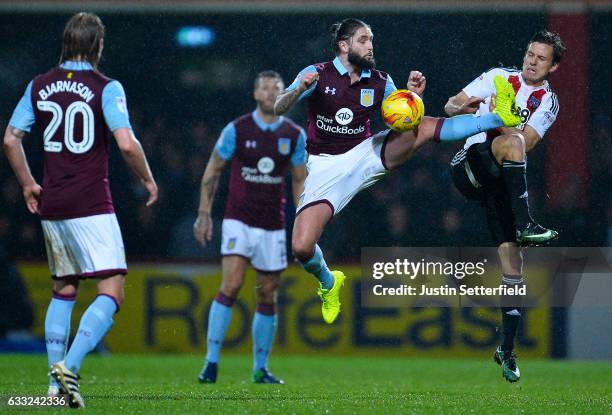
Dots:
pixel 511 146
pixel 68 288
pixel 120 298
pixel 231 288
pixel 517 142
pixel 266 293
pixel 504 248
pixel 66 291
pixel 302 249
pixel 266 289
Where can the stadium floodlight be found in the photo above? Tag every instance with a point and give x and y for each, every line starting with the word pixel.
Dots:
pixel 195 36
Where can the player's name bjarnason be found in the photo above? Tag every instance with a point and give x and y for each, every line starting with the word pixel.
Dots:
pixel 67 86
pixel 448 290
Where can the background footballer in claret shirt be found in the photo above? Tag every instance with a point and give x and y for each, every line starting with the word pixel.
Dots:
pixel 280 190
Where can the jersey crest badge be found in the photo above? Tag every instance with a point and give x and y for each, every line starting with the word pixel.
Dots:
pixel 534 102
pixel 367 97
pixel 231 244
pixel 284 146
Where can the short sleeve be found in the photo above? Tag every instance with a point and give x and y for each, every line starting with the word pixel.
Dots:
pixel 226 144
pixel 545 115
pixel 389 86
pixel 299 154
pixel 483 86
pixel 298 79
pixel 23 116
pixel 114 106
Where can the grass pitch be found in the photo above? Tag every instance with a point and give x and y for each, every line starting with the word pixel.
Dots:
pixel 167 384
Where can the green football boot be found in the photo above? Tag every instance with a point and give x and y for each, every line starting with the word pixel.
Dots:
pixel 534 235
pixel 331 298
pixel 505 105
pixel 264 376
pixel 507 360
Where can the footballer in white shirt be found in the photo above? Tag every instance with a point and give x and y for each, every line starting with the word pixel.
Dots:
pixel 491 168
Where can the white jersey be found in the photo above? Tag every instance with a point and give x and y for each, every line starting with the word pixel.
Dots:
pixel 538 105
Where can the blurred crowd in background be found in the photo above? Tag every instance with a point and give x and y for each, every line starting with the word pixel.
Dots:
pixel 179 99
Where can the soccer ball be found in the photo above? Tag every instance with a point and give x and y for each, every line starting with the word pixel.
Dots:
pixel 402 110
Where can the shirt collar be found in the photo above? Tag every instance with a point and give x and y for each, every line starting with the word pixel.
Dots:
pixel 77 66
pixel 365 73
pixel 263 125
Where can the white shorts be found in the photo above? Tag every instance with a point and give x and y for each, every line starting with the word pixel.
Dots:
pixel 267 250
pixel 336 179
pixel 88 247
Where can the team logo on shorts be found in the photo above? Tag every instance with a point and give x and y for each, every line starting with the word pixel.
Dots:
pixel 284 146
pixel 367 97
pixel 265 165
pixel 231 244
pixel 344 116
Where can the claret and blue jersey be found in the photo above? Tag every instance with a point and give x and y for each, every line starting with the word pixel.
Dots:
pixel 76 108
pixel 339 112
pixel 261 156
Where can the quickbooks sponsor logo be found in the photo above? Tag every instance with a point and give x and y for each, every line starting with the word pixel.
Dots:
pixel 340 130
pixel 253 175
pixel 344 116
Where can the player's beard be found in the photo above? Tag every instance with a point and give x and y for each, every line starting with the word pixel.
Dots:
pixel 361 62
pixel 266 108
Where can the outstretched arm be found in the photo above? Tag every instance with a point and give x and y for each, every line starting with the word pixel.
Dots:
pixel 287 99
pixel 468 100
pixel 202 228
pixel 132 153
pixel 462 104
pixel 13 148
